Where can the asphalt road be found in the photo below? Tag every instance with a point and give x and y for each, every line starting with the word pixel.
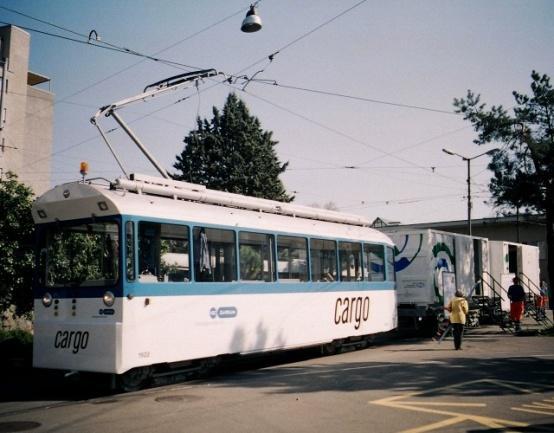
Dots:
pixel 497 383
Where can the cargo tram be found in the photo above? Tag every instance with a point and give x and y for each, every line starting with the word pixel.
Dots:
pixel 141 273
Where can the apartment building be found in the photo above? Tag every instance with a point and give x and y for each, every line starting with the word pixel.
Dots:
pixel 26 113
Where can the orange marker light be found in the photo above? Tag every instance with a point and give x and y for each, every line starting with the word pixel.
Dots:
pixel 84 168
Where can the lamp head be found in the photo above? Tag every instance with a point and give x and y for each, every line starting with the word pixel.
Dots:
pixel 252 22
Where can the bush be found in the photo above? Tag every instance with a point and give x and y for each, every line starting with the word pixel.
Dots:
pixel 16 347
pixel 24 338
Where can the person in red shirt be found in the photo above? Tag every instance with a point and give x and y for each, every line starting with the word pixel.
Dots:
pixel 517 303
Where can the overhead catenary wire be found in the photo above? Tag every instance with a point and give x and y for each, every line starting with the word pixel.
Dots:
pixel 353 97
pixel 119 72
pixel 300 38
pixel 167 62
pixel 106 47
pixel 94 107
pixel 294 41
pixel 413 178
pixel 371 167
pixel 96 42
pixel 95 137
pixel 344 135
pixel 234 75
pixel 409 200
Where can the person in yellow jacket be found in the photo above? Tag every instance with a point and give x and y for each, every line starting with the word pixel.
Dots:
pixel 458 309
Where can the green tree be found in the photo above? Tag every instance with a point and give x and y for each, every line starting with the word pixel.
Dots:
pixel 16 244
pixel 232 153
pixel 523 170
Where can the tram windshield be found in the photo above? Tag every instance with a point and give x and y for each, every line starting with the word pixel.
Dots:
pixel 79 255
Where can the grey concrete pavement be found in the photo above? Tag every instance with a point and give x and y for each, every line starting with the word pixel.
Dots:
pixel 497 383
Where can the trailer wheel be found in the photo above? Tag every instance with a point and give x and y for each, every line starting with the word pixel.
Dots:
pixel 134 379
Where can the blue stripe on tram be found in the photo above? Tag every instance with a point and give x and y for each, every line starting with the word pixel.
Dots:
pixel 240 288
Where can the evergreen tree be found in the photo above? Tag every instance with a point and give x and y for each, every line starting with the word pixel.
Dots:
pixel 16 244
pixel 232 153
pixel 524 168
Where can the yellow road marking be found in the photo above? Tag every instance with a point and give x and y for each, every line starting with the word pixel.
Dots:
pixel 519 409
pixel 401 402
pixel 537 407
pixel 435 426
pixel 431 403
pixel 459 417
pixel 540 405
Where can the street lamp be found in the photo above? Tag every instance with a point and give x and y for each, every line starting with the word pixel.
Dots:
pixel 489 152
pixel 252 22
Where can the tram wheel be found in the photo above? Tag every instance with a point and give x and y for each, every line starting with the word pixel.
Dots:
pixel 206 366
pixel 331 348
pixel 134 379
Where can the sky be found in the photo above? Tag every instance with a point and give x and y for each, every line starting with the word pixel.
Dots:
pixel 375 151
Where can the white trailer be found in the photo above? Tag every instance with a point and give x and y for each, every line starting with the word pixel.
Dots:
pixel 509 259
pixel 430 265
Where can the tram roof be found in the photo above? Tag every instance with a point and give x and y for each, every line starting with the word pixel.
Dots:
pixel 145 196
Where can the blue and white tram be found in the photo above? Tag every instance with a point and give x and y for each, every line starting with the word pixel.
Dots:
pixel 146 272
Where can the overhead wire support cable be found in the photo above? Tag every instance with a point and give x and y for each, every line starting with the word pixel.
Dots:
pixel 109 47
pixel 357 98
pixel 151 57
pixel 342 134
pixel 299 38
pixel 65 98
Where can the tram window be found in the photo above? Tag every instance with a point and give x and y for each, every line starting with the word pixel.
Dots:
pixel 79 255
pixel 292 259
pixel 163 252
pixel 256 257
pixel 214 255
pixel 374 262
pixel 323 260
pixel 391 275
pixel 350 259
pixel 130 250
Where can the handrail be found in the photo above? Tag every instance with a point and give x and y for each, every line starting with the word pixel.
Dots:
pixel 530 284
pixel 493 308
pixel 495 283
pixel 530 305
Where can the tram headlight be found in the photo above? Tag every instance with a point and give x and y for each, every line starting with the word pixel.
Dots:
pixel 47 299
pixel 109 298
